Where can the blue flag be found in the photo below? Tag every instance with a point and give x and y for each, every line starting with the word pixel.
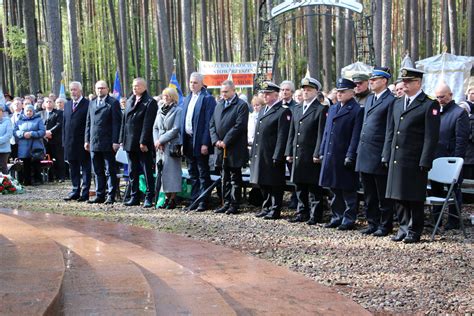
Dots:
pixel 117 92
pixel 62 90
pixel 175 84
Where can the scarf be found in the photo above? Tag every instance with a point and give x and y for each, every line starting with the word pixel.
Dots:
pixel 165 108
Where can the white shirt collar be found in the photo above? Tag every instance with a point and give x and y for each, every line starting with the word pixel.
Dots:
pixel 380 94
pixel 414 96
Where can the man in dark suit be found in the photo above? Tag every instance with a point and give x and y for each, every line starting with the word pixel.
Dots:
pixel 410 145
pixel 74 126
pixel 268 151
pixel 453 140
pixel 338 155
pixel 53 122
pixel 228 128
pixel 302 150
pixel 379 210
pixel 136 137
pixel 102 141
pixel 198 108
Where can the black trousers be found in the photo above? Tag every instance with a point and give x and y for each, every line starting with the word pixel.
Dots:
pixel 272 198
pixel 232 186
pixel 344 207
pixel 310 201
pixel 56 152
pixel 105 170
pixel 379 210
pixel 198 168
pixel 411 216
pixel 437 189
pixel 31 167
pixel 137 159
pixel 80 170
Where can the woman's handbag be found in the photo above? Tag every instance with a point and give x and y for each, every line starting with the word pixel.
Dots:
pixel 175 151
pixel 37 154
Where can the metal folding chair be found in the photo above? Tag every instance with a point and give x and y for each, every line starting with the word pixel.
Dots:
pixel 446 170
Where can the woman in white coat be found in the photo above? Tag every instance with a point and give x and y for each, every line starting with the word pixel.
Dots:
pixel 168 145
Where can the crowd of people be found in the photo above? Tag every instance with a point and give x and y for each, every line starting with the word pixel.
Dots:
pixel 366 133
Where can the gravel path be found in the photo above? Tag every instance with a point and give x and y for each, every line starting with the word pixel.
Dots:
pixel 383 276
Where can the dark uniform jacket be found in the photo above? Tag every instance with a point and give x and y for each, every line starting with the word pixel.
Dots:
pixel 410 143
pixel 304 142
pixel 230 125
pixel 291 105
pixel 203 110
pixel 340 140
pixel 74 127
pixel 372 136
pixel 103 124
pixel 137 123
pixel 469 158
pixel 271 135
pixel 54 123
pixel 453 131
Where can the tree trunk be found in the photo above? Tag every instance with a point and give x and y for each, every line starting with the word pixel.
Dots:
pixel 55 47
pixel 453 27
pixel 124 41
pixel 312 53
pixel 429 28
pixel 348 45
pixel 245 56
pixel 414 52
pixel 470 29
pixel 118 49
pixel 74 41
pixel 146 39
pixel 445 28
pixel 204 35
pixel 165 43
pixel 327 51
pixel 31 45
pixel 386 59
pixel 339 45
pixel 187 37
pixel 406 27
pixel 377 34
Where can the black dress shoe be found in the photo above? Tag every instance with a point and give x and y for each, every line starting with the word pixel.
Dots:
pixel 411 239
pixel 109 200
pixel 97 200
pixel 344 227
pixel 272 216
pixel 298 219
pixel 147 204
pixel 132 202
pixel 71 198
pixel 262 213
pixel 332 225
pixel 232 210
pixel 381 233
pixel 221 209
pixel 398 237
pixel 368 230
pixel 83 199
pixel 313 221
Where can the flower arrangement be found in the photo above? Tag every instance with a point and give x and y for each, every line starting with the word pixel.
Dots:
pixel 8 185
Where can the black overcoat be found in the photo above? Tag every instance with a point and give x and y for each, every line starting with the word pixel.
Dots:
pixel 372 136
pixel 103 124
pixel 454 131
pixel 74 127
pixel 137 123
pixel 410 143
pixel 230 126
pixel 304 142
pixel 54 123
pixel 271 135
pixel 469 157
pixel 340 141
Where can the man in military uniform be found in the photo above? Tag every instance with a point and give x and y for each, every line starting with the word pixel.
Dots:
pixel 302 150
pixel 379 210
pixel 410 145
pixel 338 154
pixel 362 90
pixel 268 151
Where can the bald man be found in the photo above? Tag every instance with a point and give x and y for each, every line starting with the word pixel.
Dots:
pixel 453 140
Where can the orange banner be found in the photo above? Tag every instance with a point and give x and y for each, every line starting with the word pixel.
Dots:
pixel 240 80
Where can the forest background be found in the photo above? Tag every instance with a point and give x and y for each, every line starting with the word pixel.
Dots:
pixel 45 41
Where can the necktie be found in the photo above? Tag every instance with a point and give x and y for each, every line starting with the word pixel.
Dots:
pixel 266 110
pixel 338 107
pixel 305 107
pixel 375 99
pixel 101 103
pixel 74 106
pixel 226 104
pixel 407 103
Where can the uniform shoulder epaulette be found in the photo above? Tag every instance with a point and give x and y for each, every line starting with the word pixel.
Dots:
pixel 284 106
pixel 431 98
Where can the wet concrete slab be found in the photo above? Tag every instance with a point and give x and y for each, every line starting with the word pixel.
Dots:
pixel 194 277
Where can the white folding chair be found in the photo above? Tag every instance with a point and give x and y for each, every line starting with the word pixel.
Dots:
pixel 121 157
pixel 446 170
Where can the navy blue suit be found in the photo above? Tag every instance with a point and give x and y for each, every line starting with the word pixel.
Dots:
pixel 74 126
pixel 340 141
pixel 453 140
pixel 103 130
pixel 379 210
pixel 198 164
